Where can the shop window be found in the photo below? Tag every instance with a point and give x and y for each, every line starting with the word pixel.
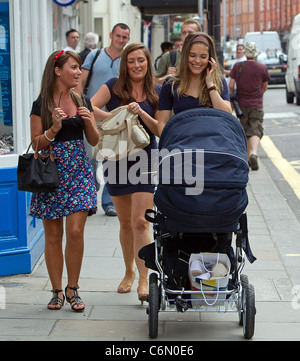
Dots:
pixel 6 124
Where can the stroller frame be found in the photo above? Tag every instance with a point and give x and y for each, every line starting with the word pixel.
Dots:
pixel 240 299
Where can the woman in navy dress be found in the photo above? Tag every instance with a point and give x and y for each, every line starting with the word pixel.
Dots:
pixel 198 82
pixel 135 88
pixel 58 118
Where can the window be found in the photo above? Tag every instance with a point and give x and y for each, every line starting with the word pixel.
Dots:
pixel 6 122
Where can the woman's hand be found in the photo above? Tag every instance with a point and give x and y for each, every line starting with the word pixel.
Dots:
pixel 210 71
pixel 57 115
pixel 85 114
pixel 134 108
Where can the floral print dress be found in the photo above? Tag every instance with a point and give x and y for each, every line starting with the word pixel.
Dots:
pixel 77 191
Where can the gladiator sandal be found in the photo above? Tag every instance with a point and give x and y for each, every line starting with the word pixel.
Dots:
pixel 56 301
pixel 75 301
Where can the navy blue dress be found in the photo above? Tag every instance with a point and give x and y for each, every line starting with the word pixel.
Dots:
pixel 134 174
pixel 169 100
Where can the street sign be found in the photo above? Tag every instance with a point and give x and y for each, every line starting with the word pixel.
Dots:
pixel 64 2
pixel 177 27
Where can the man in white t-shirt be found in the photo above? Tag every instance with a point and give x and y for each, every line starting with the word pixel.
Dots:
pixel 72 38
pixel 240 56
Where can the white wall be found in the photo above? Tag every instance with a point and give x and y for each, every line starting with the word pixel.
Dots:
pixel 111 12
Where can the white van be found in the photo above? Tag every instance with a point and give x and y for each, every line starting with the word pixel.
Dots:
pixel 264 40
pixel 292 77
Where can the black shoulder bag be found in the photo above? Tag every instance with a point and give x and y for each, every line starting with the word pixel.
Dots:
pixel 37 173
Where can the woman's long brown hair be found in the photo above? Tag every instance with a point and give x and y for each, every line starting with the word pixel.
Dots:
pixel 123 87
pixel 48 84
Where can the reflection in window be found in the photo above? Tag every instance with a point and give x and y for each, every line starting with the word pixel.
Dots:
pixel 6 129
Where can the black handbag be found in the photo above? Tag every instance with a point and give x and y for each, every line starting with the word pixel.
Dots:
pixel 234 97
pixel 37 173
pixel 235 101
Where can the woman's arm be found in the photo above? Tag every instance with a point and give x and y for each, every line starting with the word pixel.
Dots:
pixel 99 100
pixel 163 117
pixel 36 129
pixel 219 103
pixel 215 97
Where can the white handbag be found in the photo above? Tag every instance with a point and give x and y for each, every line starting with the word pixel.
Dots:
pixel 121 134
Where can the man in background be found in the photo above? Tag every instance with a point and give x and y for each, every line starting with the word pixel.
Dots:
pixel 165 47
pixel 240 56
pixel 72 38
pixel 251 79
pixel 170 60
pixel 90 43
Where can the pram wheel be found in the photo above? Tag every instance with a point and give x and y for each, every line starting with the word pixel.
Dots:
pixel 153 306
pixel 248 311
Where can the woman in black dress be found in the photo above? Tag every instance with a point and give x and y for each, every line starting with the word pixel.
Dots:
pixel 58 118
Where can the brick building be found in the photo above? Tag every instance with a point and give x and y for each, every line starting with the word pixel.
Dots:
pixel 259 15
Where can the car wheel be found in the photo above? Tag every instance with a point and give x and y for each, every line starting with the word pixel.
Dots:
pixel 289 97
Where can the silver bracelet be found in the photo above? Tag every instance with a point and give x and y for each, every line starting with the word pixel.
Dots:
pixel 45 134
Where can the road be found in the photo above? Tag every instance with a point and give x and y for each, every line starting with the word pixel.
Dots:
pixel 280 150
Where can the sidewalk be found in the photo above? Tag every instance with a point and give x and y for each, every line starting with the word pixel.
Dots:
pixel 274 234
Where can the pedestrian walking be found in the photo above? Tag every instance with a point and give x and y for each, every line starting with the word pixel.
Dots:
pixel 135 88
pixel 59 118
pixel 240 56
pixel 90 43
pixel 72 38
pixel 251 79
pixel 101 65
pixel 198 82
pixel 170 60
pixel 165 46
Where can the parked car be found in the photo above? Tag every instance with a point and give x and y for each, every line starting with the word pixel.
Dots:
pixel 269 46
pixel 292 77
pixel 276 64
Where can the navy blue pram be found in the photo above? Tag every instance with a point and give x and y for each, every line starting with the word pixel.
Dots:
pixel 200 202
pixel 211 145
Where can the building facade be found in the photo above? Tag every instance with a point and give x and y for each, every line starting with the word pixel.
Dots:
pixel 243 16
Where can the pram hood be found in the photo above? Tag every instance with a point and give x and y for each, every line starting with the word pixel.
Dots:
pixel 203 172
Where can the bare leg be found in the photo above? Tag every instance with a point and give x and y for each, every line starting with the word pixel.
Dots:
pixel 141 202
pixel 252 145
pixel 123 209
pixel 75 224
pixel 53 254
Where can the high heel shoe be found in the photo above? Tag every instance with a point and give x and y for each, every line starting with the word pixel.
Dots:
pixel 143 297
pixel 75 300
pixel 125 285
pixel 56 301
pixel 142 293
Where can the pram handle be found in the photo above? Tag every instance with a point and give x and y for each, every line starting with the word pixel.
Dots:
pixel 151 219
